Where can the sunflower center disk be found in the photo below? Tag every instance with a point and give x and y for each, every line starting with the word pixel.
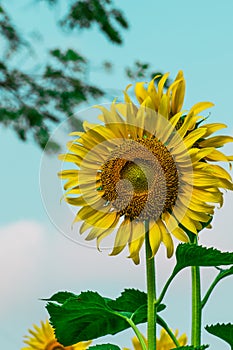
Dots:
pixel 137 173
pixel 54 345
pixel 140 179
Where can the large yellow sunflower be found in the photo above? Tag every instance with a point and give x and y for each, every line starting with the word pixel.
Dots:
pixel 164 342
pixel 146 164
pixel 43 338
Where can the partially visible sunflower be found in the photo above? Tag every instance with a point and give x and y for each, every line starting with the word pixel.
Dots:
pixel 43 338
pixel 164 342
pixel 146 164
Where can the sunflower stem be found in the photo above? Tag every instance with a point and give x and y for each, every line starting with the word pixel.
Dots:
pixel 196 305
pixel 151 293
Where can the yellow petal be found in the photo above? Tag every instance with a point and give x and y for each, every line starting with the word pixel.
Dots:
pixel 122 237
pixel 166 238
pixel 110 116
pixel 215 170
pixel 161 83
pixel 148 103
pixel 201 106
pixel 73 158
pixel 213 127
pixel 87 126
pixel 196 154
pixel 180 235
pixel 153 92
pixel 178 93
pixel 68 174
pixel 84 227
pixel 136 240
pixel 155 237
pixel 71 183
pixel 210 197
pixel 140 92
pixel 78 201
pixel 194 215
pixel 216 141
pixel 105 221
pixel 193 137
pixel 188 224
pixel 217 156
pixel 127 98
pixel 163 106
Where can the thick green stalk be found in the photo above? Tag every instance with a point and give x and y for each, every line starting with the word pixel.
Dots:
pixel 151 294
pixel 196 306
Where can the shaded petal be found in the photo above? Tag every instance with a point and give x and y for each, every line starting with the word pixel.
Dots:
pixel 155 237
pixel 216 141
pixel 213 127
pixel 166 238
pixel 136 240
pixel 122 237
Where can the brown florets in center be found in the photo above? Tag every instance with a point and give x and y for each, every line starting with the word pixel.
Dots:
pixel 140 179
pixel 54 345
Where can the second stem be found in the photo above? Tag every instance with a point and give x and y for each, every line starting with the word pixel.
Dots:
pixel 196 305
pixel 151 293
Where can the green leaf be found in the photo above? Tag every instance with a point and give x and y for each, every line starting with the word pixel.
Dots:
pixel 188 347
pixel 89 315
pixel 130 300
pixel 222 331
pixel 134 301
pixel 104 347
pixel 193 255
pixel 86 317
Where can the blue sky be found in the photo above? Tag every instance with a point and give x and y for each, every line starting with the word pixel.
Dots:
pixel 35 259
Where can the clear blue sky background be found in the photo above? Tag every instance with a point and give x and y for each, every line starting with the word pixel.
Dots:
pixel 36 261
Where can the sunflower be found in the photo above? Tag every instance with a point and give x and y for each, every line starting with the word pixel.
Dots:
pixel 146 164
pixel 164 342
pixel 43 338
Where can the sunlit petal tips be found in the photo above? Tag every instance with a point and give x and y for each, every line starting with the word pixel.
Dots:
pixel 43 338
pixel 147 163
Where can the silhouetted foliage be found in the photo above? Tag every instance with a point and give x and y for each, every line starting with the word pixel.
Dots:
pixel 32 103
pixel 142 70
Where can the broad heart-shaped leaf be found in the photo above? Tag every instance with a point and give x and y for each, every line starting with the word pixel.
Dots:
pixel 84 318
pixel 222 331
pixel 89 315
pixel 193 255
pixel 104 347
pixel 190 347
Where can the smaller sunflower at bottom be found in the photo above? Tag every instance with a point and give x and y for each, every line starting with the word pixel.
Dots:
pixel 163 343
pixel 43 338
